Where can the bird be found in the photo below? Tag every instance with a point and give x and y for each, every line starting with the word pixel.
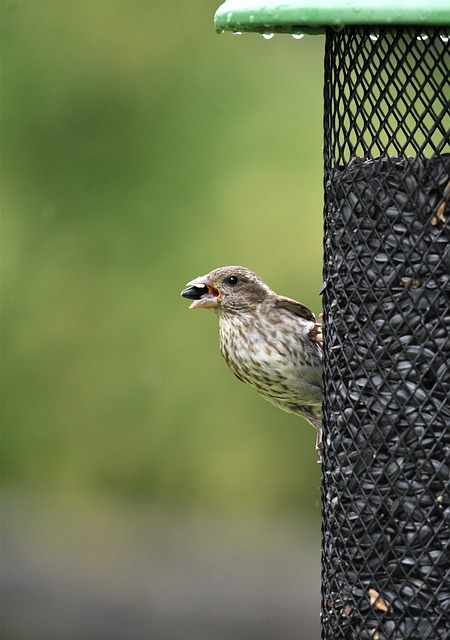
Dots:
pixel 270 342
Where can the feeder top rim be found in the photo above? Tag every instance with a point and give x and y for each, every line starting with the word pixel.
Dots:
pixel 313 16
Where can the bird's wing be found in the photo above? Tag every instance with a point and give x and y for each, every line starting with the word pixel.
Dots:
pixel 302 311
pixel 295 307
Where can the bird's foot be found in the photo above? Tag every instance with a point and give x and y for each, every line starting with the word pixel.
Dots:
pixel 315 333
pixel 319 445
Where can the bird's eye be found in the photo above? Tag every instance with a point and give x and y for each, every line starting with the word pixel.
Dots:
pixel 232 280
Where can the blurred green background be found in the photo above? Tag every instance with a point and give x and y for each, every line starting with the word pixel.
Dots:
pixel 140 149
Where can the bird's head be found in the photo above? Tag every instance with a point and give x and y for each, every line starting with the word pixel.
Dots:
pixel 226 289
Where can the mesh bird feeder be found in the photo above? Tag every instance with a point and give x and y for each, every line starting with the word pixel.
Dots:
pixel 386 469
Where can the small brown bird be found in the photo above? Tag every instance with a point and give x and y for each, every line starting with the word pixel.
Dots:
pixel 271 342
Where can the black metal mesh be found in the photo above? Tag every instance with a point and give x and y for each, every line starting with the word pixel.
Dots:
pixel 386 470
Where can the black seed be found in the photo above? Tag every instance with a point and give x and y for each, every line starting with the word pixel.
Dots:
pixel 387 384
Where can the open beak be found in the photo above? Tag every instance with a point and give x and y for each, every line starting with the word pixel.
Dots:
pixel 203 292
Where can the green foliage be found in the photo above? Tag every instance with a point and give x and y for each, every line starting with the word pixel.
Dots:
pixel 140 149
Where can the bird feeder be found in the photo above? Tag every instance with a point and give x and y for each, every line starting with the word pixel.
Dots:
pixel 386 410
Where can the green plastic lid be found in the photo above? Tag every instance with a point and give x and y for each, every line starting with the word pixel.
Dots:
pixel 313 16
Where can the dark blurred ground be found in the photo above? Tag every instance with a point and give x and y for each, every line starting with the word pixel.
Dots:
pixel 139 150
pixel 154 573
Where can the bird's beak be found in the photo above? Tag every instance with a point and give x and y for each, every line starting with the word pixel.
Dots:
pixel 203 292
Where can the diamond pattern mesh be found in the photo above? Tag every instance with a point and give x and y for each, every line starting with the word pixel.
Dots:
pixel 386 470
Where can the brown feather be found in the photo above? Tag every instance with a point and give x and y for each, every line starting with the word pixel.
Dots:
pixel 297 308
